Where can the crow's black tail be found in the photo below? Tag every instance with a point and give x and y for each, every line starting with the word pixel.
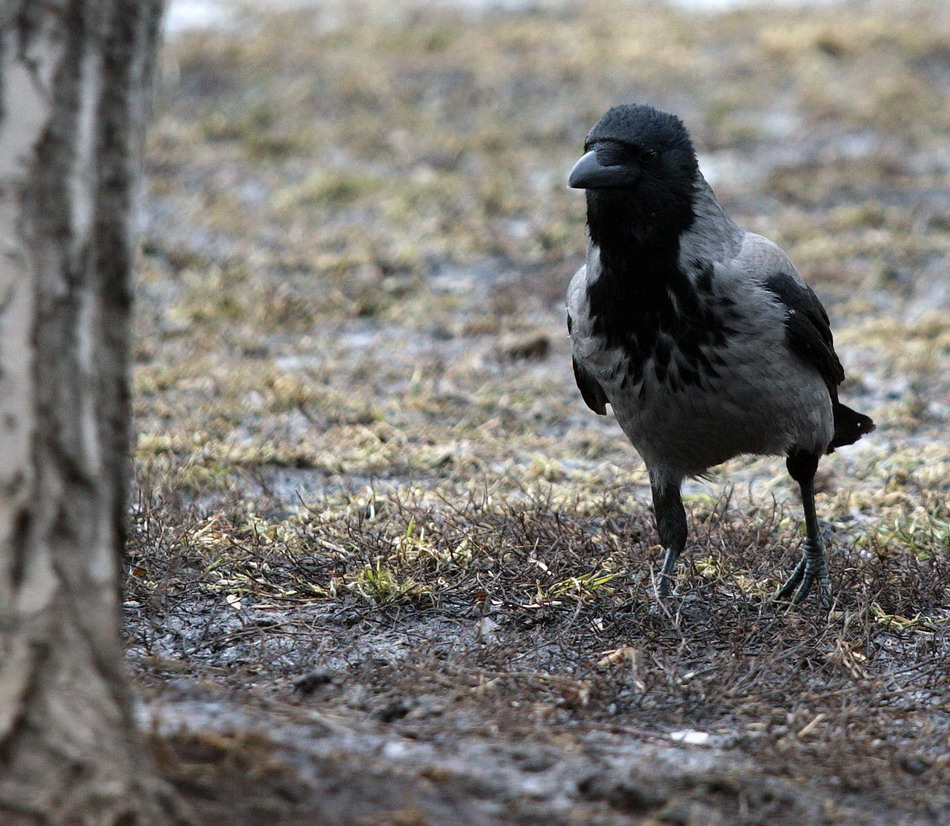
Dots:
pixel 849 425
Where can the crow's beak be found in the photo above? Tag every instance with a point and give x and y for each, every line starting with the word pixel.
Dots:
pixel 588 173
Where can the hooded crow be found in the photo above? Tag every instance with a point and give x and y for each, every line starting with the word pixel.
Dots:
pixel 700 335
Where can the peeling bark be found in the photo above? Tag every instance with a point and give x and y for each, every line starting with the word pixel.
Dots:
pixel 74 78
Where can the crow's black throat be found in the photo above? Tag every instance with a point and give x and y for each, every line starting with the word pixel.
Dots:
pixel 644 304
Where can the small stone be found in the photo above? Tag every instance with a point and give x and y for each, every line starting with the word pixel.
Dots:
pixel 317 678
pixel 530 346
pixel 913 764
pixel 395 709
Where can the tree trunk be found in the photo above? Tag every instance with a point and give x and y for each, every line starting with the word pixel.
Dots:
pixel 74 79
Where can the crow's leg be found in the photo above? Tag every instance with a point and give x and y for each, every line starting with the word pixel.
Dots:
pixel 671 525
pixel 802 467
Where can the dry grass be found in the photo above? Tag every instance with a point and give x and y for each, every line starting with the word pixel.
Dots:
pixel 368 490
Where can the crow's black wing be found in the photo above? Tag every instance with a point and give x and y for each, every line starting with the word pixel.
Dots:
pixel 590 389
pixel 809 336
pixel 807 328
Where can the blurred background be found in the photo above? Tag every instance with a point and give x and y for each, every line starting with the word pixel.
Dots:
pixel 359 235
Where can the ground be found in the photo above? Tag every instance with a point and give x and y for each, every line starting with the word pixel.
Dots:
pixel 385 567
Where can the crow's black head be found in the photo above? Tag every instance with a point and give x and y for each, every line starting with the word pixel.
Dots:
pixel 639 171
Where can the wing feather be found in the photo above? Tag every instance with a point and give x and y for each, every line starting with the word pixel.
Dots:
pixel 590 388
pixel 807 328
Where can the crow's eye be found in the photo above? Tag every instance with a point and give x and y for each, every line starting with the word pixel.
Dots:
pixel 648 156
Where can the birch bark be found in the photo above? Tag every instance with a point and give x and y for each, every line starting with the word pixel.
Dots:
pixel 75 76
